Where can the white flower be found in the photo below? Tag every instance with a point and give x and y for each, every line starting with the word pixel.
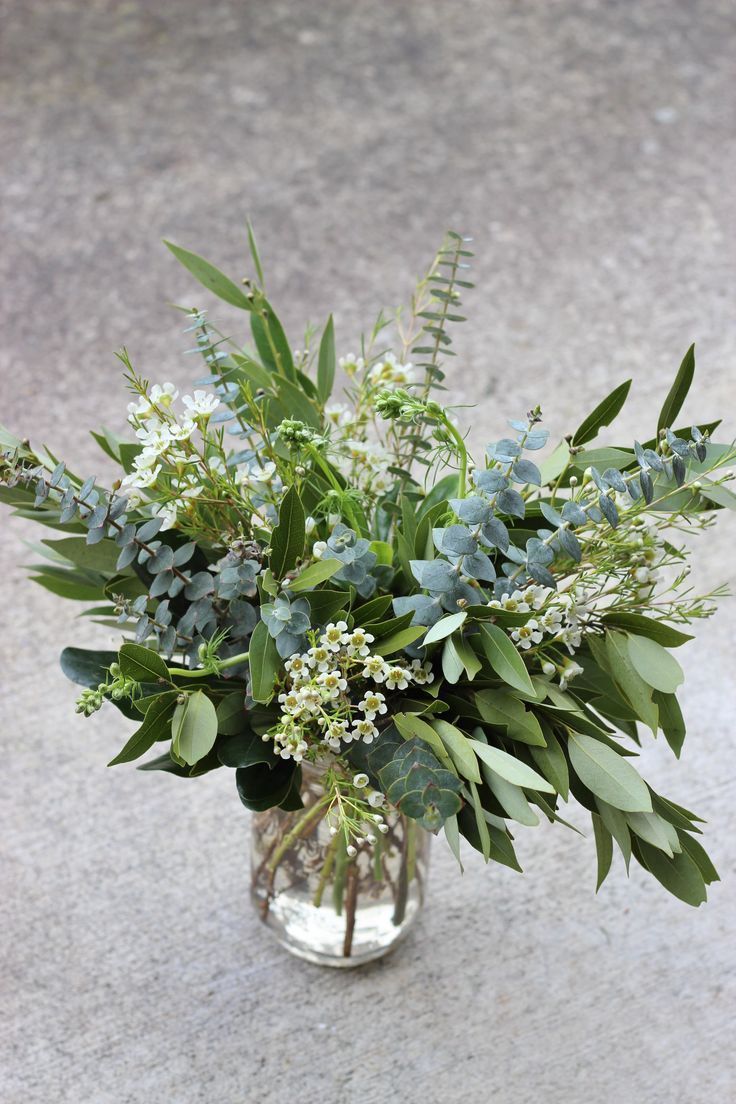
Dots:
pixel 376 800
pixel 319 658
pixel 548 668
pixel 351 364
pixel 318 549
pixel 180 431
pixel 397 678
pixel 375 482
pixel 297 666
pixel 334 636
pixel 167 512
pixel 364 730
pixel 163 394
pixel 138 409
pixel 339 414
pixel 387 371
pixel 568 672
pixel 335 733
pixel 310 698
pixel 145 459
pixel 201 403
pixel 310 524
pixel 421 673
pixel 154 436
pixel 526 635
pixel 159 395
pixel 332 683
pixel 360 780
pixel 372 704
pixel 536 595
pixel 511 603
pixel 141 478
pixel 258 474
pixel 570 637
pixel 294 748
pixel 375 667
pixel 291 703
pixel 551 620
pixel 358 641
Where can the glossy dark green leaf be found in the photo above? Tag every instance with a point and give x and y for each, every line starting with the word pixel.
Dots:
pixel 86 666
pixel 261 787
pixel 231 715
pixel 156 726
pixel 245 750
pixel 678 391
pixel 141 664
pixel 603 415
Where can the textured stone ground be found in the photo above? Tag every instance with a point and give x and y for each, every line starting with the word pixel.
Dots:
pixel 589 148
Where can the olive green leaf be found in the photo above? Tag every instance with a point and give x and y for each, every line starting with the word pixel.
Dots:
pixel 510 768
pixel 603 847
pixel 678 391
pixel 655 664
pixel 287 540
pixel 326 362
pixel 264 663
pixel 504 658
pixel 603 415
pixel 194 727
pixel 608 775
pixel 211 277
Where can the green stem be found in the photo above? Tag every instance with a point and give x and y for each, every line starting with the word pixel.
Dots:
pixel 232 661
pixel 303 822
pixel 462 455
pixel 324 876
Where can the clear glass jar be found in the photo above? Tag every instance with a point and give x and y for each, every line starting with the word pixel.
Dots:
pixel 324 906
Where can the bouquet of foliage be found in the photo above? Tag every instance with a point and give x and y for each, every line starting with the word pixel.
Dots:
pixel 302 581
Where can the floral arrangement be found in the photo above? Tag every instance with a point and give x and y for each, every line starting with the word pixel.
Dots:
pixel 471 642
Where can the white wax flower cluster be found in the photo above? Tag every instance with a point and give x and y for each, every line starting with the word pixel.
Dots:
pixel 331 696
pixel 162 433
pixel 558 615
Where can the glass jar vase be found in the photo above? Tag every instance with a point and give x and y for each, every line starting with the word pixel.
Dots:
pixel 323 905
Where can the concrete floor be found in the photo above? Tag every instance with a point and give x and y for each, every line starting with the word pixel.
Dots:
pixel 590 150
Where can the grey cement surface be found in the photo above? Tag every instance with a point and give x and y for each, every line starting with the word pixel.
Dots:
pixel 589 148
